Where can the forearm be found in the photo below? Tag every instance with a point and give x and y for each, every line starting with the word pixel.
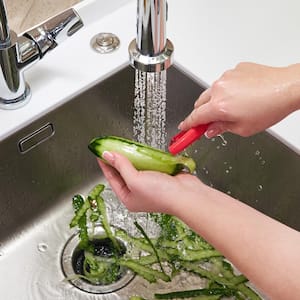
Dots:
pixel 266 251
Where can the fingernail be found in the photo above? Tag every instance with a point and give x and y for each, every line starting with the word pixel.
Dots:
pixel 108 156
pixel 180 125
pixel 211 133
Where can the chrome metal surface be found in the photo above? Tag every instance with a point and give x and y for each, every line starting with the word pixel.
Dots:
pixel 147 63
pixel 35 138
pixel 17 53
pixel 151 51
pixel 105 42
pixel 4 30
pixel 151 26
pixel 37 186
pixel 55 30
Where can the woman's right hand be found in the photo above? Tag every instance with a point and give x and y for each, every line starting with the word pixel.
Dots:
pixel 247 100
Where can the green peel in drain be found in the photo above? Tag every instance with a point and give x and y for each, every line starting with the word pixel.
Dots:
pixel 177 248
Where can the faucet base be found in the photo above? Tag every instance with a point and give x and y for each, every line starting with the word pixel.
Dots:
pixel 17 102
pixel 146 63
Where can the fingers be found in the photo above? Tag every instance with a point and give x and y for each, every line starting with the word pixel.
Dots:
pixel 121 164
pixel 200 115
pixel 116 182
pixel 203 98
pixel 119 174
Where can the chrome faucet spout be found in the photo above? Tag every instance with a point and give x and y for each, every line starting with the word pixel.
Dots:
pixel 151 51
pixel 4 30
pixel 151 27
pixel 18 53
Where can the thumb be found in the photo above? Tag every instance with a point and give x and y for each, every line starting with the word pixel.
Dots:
pixel 121 164
pixel 119 173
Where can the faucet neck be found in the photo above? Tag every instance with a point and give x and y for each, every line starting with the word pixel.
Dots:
pixel 4 30
pixel 151 51
pixel 151 26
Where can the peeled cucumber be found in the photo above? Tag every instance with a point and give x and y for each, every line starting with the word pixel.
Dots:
pixel 142 156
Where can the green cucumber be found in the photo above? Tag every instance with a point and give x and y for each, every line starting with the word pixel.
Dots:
pixel 141 156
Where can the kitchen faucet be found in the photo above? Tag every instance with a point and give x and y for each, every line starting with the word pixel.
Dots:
pixel 151 51
pixel 19 52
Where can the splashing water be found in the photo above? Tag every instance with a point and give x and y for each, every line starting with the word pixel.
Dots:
pixel 224 142
pixel 149 118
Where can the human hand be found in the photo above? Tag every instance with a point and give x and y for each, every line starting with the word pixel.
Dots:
pixel 148 191
pixel 247 100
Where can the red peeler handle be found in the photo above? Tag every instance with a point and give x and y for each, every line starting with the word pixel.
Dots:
pixel 185 138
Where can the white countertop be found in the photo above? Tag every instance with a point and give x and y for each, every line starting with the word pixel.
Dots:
pixel 210 36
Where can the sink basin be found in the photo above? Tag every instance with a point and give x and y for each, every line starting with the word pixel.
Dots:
pixel 44 164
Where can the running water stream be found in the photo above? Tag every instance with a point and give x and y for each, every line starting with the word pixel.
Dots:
pixel 149 118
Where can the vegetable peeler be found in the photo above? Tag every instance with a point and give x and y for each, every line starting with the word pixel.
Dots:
pixel 185 138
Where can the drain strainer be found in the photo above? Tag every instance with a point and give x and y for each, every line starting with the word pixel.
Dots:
pixel 105 42
pixel 72 265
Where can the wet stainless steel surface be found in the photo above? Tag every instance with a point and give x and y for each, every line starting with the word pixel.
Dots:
pixel 37 185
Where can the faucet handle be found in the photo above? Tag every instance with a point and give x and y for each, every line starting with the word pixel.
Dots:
pixel 50 33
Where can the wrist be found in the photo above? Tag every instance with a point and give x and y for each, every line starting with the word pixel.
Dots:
pixel 293 87
pixel 195 201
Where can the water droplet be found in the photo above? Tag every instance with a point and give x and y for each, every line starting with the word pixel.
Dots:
pixel 257 152
pixel 262 162
pixel 228 192
pixel 224 142
pixel 205 170
pixel 218 147
pixel 227 171
pixel 42 247
pixel 260 188
pixel 225 162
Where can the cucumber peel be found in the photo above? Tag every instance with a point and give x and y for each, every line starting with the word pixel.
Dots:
pixel 142 156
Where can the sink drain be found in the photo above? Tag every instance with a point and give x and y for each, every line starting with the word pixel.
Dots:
pixel 72 262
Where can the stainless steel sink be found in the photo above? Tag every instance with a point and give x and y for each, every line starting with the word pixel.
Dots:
pixel 44 164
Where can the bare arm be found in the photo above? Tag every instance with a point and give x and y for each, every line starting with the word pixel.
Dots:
pixel 266 251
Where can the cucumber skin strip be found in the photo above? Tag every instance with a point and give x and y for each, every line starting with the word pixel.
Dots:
pixel 80 212
pixel 195 293
pixel 140 228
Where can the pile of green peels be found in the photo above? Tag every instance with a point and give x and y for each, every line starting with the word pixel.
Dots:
pixel 177 248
